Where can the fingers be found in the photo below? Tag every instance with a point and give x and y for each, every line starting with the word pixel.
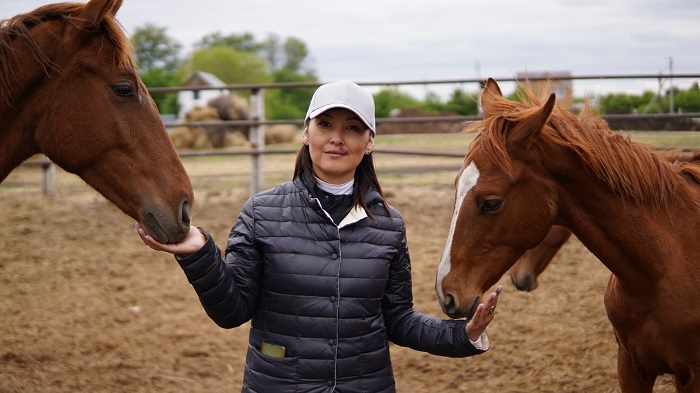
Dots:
pixel 491 310
pixel 487 310
pixel 146 238
pixel 492 301
pixel 192 242
pixel 483 316
pixel 141 232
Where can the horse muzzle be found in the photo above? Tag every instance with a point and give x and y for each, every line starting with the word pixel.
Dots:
pixel 166 225
pixel 451 307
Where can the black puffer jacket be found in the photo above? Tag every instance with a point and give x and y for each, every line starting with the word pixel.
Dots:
pixel 333 295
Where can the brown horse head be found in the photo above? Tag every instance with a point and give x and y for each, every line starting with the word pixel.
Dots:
pixel 72 92
pixel 493 222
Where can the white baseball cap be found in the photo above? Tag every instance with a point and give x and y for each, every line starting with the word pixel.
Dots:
pixel 343 94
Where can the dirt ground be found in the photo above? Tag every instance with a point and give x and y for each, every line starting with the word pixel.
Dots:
pixel 86 307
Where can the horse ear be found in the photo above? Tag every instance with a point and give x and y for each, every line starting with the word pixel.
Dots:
pixel 530 127
pixel 491 91
pixel 94 12
pixel 492 87
pixel 548 108
pixel 115 7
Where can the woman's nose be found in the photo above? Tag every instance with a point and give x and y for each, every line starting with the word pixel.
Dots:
pixel 336 138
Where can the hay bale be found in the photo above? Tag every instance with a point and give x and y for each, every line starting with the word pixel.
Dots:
pixel 202 138
pixel 235 138
pixel 231 107
pixel 190 138
pixel 224 107
pixel 202 113
pixel 215 134
pixel 182 137
pixel 281 133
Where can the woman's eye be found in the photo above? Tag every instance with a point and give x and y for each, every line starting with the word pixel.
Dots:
pixel 123 89
pixel 491 205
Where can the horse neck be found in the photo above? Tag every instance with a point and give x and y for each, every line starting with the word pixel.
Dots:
pixel 635 241
pixel 19 115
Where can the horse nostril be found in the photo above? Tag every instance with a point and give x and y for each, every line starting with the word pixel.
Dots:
pixel 185 213
pixel 450 304
pixel 533 284
pixel 526 284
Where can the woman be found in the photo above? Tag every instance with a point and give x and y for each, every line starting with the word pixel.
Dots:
pixel 321 267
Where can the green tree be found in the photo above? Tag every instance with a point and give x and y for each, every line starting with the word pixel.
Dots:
pixel 463 103
pixel 270 50
pixel 295 57
pixel 229 65
pixel 289 103
pixel 239 42
pixel 153 48
pixel 287 63
pixel 158 77
pixel 688 100
pixel 620 103
pixel 433 103
pixel 282 61
pixel 390 98
pixel 158 56
pixel 290 54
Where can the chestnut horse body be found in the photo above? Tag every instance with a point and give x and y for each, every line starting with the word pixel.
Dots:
pixel 69 89
pixel 535 165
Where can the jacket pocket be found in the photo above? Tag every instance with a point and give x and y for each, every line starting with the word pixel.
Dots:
pixel 268 373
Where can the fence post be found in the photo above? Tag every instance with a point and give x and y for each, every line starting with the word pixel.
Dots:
pixel 49 169
pixel 257 139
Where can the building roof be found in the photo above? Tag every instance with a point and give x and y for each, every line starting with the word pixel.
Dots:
pixel 201 78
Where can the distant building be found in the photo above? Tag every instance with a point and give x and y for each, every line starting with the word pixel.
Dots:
pixel 188 99
pixel 560 83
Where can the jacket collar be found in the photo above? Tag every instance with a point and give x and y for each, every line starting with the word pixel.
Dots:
pixel 305 183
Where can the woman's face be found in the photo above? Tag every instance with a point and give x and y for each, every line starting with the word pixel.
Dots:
pixel 337 140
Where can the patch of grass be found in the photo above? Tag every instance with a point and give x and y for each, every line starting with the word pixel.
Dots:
pixel 450 143
pixel 681 139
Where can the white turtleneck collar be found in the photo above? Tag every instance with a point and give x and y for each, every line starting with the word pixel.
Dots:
pixel 336 189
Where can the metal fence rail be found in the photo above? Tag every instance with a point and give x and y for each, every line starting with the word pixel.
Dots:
pixel 257 122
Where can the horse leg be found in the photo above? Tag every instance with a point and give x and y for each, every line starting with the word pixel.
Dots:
pixel 631 377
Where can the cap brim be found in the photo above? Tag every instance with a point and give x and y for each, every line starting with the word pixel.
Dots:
pixel 322 109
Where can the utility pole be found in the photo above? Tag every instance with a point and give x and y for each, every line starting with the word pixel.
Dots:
pixel 670 80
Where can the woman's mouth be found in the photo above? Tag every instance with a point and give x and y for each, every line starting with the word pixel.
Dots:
pixel 337 152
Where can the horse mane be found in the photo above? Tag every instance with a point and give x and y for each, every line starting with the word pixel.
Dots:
pixel 18 28
pixel 628 168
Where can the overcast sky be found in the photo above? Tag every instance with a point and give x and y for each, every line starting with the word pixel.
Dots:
pixel 392 40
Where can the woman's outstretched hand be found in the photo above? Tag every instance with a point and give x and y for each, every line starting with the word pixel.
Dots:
pixel 190 244
pixel 484 314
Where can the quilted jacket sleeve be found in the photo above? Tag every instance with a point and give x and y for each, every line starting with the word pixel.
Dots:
pixel 413 329
pixel 228 290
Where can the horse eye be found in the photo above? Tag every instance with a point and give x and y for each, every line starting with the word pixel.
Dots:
pixel 491 205
pixel 123 89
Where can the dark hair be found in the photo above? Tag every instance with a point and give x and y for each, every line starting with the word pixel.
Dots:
pixel 365 178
